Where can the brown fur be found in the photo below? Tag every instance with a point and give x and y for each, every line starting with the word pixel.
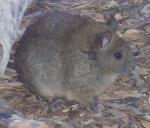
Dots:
pixel 52 57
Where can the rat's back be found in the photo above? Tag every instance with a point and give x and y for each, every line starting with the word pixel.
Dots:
pixel 40 57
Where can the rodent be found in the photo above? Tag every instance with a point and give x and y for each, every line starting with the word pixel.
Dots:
pixel 72 56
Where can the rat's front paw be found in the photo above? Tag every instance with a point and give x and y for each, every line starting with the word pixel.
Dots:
pixel 56 105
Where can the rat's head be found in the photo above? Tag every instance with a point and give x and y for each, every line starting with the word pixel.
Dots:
pixel 109 54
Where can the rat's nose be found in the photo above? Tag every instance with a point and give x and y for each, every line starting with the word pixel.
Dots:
pixel 128 69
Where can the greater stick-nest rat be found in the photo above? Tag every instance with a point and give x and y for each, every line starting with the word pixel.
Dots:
pixel 72 56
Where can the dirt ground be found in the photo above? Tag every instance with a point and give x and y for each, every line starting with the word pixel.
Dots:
pixel 126 104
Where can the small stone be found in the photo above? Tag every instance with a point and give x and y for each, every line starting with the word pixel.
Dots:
pixel 126 78
pixel 90 121
pixel 145 124
pixel 112 4
pixel 135 35
pixel 118 16
pixel 145 9
pixel 10 72
pixel 3 76
pixel 147 29
pixel 149 100
pixel 14 84
pixel 125 3
pixel 124 94
pixel 28 124
pixel 141 71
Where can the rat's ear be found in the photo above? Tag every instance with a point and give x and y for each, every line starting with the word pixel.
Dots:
pixel 104 39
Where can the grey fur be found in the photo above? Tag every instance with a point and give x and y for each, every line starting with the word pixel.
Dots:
pixel 52 58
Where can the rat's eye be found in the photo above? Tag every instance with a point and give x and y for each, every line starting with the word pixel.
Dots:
pixel 118 55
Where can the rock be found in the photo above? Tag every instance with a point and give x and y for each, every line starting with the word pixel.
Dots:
pixel 141 71
pixel 112 4
pixel 135 35
pixel 13 84
pixel 145 9
pixel 118 16
pixel 7 114
pixel 149 101
pixel 10 72
pixel 107 126
pixel 124 94
pixel 145 124
pixel 28 124
pixel 3 103
pixel 147 29
pixel 4 77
